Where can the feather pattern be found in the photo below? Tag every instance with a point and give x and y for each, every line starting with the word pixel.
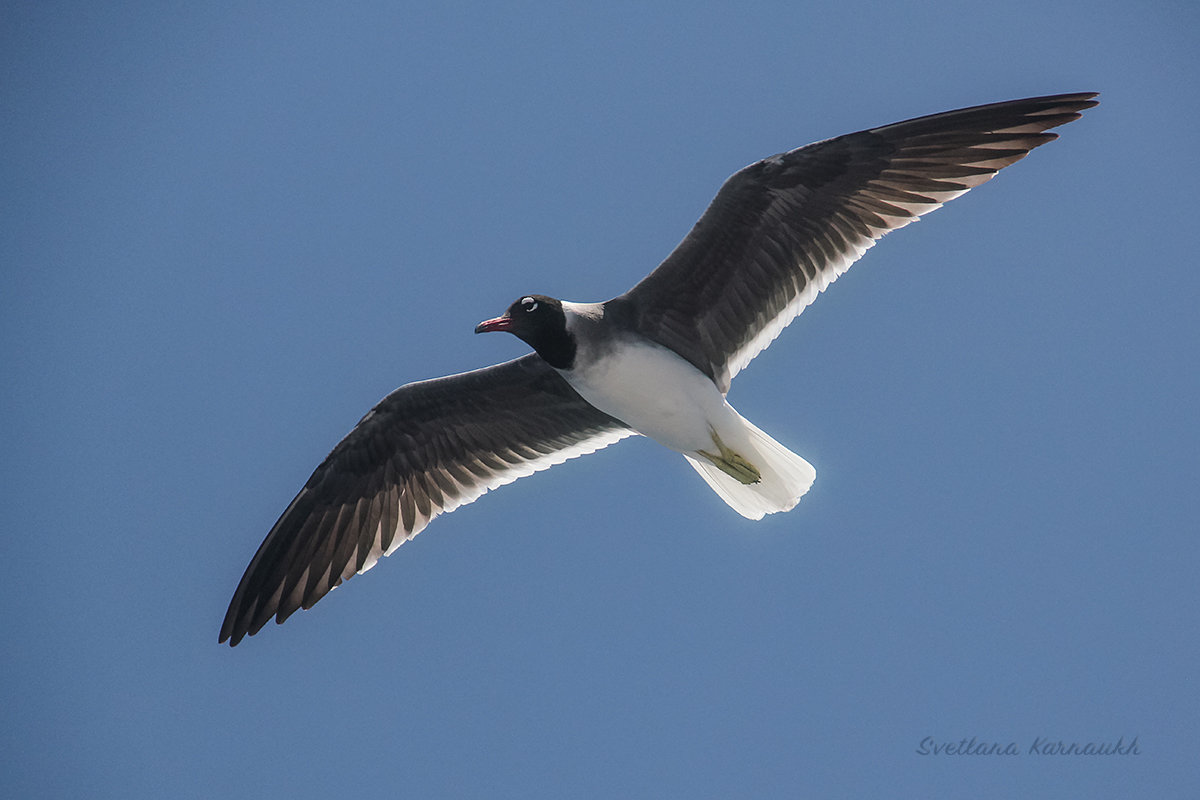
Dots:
pixel 425 449
pixel 784 228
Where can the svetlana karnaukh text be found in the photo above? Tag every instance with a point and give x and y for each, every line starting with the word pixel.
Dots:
pixel 1040 746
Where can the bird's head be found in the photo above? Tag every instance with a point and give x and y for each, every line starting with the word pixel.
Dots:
pixel 541 323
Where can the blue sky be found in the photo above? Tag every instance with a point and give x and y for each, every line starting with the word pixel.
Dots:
pixel 225 234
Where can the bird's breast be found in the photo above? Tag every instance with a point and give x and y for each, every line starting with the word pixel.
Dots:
pixel 653 391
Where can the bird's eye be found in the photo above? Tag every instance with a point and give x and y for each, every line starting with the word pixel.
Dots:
pixel 529 304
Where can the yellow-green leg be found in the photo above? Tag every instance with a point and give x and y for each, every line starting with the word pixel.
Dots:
pixel 730 462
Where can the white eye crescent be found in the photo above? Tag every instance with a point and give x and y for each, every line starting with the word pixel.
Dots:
pixel 529 304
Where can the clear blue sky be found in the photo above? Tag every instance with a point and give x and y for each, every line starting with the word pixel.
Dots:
pixel 225 234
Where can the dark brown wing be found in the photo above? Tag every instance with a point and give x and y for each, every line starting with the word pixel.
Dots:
pixel 426 449
pixel 784 228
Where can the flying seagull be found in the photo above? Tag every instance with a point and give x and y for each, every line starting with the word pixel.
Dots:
pixel 656 361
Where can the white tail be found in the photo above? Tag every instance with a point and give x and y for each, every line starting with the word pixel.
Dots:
pixel 785 475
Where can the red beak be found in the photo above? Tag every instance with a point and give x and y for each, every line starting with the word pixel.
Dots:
pixel 498 324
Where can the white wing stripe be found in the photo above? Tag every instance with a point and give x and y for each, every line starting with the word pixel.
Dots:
pixel 522 467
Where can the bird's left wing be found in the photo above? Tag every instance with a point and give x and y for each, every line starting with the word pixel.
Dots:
pixel 426 449
pixel 784 228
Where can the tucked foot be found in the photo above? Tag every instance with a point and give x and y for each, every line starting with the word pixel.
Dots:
pixel 730 462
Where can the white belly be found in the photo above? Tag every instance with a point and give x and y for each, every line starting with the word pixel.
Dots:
pixel 658 394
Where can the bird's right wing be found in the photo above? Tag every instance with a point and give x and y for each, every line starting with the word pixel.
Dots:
pixel 426 449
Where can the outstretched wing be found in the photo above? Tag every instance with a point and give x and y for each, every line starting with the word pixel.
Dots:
pixel 426 449
pixel 784 228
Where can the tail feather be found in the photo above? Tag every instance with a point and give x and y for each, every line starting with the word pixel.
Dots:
pixel 785 476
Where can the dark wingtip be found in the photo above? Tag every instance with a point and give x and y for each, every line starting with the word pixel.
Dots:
pixel 231 633
pixel 1080 101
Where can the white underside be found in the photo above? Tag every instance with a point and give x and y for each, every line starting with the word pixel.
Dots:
pixel 786 477
pixel 664 397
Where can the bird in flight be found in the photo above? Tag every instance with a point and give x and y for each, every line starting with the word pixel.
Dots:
pixel 656 360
